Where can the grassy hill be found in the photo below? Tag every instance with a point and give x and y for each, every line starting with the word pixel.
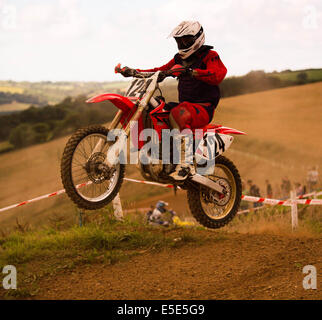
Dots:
pixel 283 138
pixel 13 107
pixel 312 74
pixel 47 92
pixel 55 92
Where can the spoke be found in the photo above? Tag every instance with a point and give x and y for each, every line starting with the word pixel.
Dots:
pixel 81 153
pixel 79 171
pixel 90 143
pixel 83 145
pixel 78 176
pixel 103 144
pixel 79 165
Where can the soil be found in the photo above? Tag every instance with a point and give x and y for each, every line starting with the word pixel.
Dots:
pixel 240 266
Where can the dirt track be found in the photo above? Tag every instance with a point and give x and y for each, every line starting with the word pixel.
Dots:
pixel 237 267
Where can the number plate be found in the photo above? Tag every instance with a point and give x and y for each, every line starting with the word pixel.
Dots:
pixel 137 88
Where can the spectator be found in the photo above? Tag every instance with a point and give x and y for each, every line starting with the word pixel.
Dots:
pixel 156 215
pixel 254 192
pixel 299 189
pixel 269 190
pixel 149 213
pixel 312 178
pixel 286 187
pixel 244 204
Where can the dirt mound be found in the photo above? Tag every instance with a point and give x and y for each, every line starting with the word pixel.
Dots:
pixel 234 267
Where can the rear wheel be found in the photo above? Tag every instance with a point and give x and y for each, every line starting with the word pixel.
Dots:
pixel 88 181
pixel 211 209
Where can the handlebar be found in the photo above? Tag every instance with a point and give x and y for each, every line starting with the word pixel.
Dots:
pixel 176 71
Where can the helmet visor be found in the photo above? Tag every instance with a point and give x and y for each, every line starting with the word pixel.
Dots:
pixel 185 42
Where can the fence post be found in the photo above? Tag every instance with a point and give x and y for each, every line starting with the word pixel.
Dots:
pixel 80 218
pixel 117 206
pixel 294 210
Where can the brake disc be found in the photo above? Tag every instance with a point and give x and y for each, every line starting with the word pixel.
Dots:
pixel 96 169
pixel 220 199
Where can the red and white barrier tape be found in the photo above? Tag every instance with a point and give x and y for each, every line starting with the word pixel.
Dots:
pixel 59 192
pixel 244 197
pixel 49 195
pixel 252 209
pixel 150 182
pixel 310 194
pixel 287 202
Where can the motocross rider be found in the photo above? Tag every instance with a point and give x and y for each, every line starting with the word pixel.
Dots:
pixel 198 85
pixel 155 215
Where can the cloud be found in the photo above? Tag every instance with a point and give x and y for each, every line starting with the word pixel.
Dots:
pixel 61 40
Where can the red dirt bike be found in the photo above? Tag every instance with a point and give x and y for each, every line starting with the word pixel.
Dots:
pixel 92 180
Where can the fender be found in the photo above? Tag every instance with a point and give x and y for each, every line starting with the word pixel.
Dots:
pixel 221 129
pixel 127 106
pixel 121 102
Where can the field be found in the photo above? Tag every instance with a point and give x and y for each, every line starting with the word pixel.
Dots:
pixel 255 257
pixel 14 106
pixel 11 89
pixel 312 74
pixel 55 92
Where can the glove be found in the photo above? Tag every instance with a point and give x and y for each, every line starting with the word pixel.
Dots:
pixel 177 70
pixel 188 71
pixel 162 76
pixel 128 72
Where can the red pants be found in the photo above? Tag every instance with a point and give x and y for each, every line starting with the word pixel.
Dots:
pixel 190 115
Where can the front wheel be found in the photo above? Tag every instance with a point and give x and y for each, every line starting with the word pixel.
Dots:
pixel 89 182
pixel 212 209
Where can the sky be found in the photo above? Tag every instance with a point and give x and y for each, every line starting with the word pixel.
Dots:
pixel 82 40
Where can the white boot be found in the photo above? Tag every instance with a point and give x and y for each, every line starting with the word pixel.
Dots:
pixel 183 169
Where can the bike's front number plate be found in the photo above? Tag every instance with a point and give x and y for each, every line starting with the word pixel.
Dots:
pixel 138 87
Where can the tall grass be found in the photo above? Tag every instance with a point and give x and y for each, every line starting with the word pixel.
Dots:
pixel 277 220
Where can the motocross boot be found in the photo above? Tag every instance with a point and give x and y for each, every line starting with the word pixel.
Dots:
pixel 183 169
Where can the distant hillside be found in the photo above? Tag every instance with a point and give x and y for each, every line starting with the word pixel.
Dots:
pixel 256 81
pixel 37 125
pixel 51 126
pixel 283 138
pixel 48 92
pixel 313 75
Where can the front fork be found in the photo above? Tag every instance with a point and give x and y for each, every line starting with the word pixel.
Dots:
pixel 114 151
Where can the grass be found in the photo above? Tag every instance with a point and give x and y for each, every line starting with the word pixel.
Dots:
pixel 55 92
pixel 14 106
pixel 49 251
pixel 313 75
pixel 11 89
pixel 277 220
pixel 6 146
pixel 105 240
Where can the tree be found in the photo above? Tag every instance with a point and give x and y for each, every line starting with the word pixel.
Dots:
pixel 41 131
pixel 302 77
pixel 22 136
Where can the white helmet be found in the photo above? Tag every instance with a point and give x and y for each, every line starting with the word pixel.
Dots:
pixel 189 36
